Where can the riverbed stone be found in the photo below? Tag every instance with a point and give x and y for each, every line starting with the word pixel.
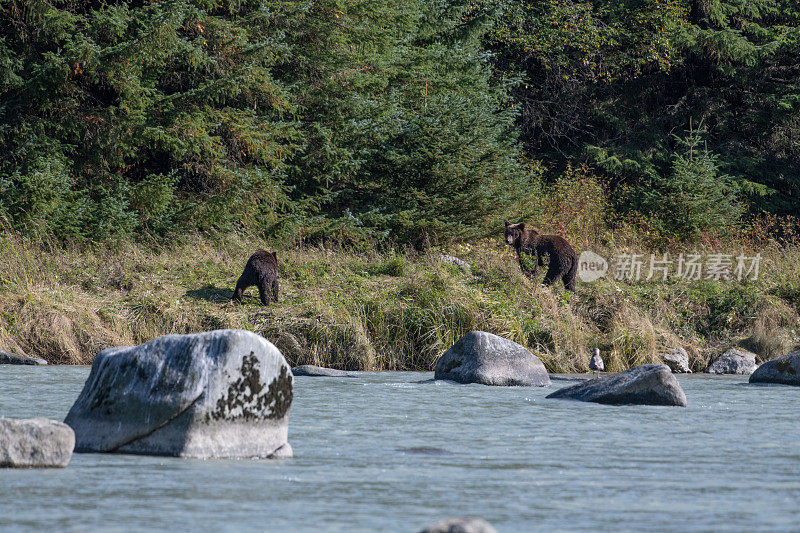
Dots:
pixel 481 357
pixel 224 393
pixel 641 385
pixel 35 443
pixel 784 370
pixel 677 360
pixel 466 524
pixel 7 358
pixel 321 371
pixel 733 361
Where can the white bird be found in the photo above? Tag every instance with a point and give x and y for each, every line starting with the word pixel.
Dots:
pixel 596 362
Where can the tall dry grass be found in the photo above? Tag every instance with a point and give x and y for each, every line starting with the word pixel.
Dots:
pixel 378 310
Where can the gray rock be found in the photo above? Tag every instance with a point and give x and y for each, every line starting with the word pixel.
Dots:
pixel 784 370
pixel 677 360
pixel 449 259
pixel 35 443
pixel 460 525
pixel 321 371
pixel 733 361
pixel 480 357
pixel 7 358
pixel 641 385
pixel 223 393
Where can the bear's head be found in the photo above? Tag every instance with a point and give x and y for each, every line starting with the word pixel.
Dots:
pixel 514 232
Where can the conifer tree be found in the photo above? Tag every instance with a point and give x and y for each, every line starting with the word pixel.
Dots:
pixel 608 83
pixel 118 117
pixel 407 134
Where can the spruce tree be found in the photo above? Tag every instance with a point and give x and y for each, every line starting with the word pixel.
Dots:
pixel 407 134
pixel 123 117
pixel 608 83
pixel 694 197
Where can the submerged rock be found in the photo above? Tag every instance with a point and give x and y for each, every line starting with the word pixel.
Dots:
pixel 7 358
pixel 320 371
pixel 425 450
pixel 733 361
pixel 480 357
pixel 569 377
pixel 460 525
pixel 677 360
pixel 641 385
pixel 784 370
pixel 35 443
pixel 223 393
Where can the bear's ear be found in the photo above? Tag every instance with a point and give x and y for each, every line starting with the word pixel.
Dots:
pixel 521 226
pixel 508 223
pixel 275 255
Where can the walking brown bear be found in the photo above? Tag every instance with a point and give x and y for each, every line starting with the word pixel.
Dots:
pixel 261 270
pixel 563 260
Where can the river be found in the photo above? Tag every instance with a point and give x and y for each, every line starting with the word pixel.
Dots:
pixel 392 452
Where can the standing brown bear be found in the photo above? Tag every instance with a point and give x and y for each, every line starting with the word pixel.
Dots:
pixel 563 260
pixel 261 270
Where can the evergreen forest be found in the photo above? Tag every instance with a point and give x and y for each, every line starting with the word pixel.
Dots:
pixel 410 122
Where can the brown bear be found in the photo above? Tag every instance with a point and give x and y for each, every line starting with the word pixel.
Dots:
pixel 261 270
pixel 563 260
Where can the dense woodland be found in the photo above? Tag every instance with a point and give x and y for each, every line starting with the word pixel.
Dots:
pixel 410 122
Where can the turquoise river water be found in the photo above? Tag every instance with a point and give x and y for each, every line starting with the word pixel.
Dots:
pixel 390 452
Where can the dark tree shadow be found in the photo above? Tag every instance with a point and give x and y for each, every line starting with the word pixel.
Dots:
pixel 210 293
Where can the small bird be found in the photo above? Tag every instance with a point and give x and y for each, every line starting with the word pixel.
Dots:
pixel 596 362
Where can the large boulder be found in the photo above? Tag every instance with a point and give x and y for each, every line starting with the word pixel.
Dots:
pixel 35 443
pixel 321 371
pixel 224 393
pixel 733 361
pixel 480 357
pixel 677 360
pixel 460 525
pixel 784 370
pixel 641 385
pixel 7 358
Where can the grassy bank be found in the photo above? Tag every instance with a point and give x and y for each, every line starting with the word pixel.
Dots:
pixel 385 310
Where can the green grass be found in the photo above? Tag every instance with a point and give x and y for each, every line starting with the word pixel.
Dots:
pixel 371 310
